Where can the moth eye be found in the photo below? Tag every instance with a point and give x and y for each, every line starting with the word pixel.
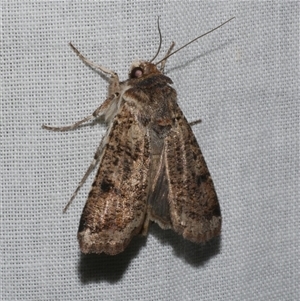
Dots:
pixel 136 72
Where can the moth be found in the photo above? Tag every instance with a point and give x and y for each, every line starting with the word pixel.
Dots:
pixel 150 165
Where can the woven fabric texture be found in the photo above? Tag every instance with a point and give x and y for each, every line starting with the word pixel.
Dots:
pixel 242 81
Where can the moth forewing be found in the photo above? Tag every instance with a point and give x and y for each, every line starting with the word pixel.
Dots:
pixel 116 206
pixel 194 207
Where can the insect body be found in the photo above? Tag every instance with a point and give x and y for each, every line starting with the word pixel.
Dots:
pixel 150 166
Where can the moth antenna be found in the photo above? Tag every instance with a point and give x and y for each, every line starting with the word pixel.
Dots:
pixel 163 63
pixel 160 41
pixel 193 40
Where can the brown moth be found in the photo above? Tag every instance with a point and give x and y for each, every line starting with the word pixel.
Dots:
pixel 151 166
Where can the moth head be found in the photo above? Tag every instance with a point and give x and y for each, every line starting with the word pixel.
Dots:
pixel 140 69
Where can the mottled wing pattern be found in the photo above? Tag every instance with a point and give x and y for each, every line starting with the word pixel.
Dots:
pixel 194 207
pixel 117 203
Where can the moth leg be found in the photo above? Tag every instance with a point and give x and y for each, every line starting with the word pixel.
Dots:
pixel 195 122
pixel 97 113
pixel 114 85
pixel 68 127
pixel 87 173
pixel 145 227
pixel 163 63
pixel 91 64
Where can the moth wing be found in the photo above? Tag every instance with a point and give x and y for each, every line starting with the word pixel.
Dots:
pixel 194 207
pixel 158 199
pixel 116 206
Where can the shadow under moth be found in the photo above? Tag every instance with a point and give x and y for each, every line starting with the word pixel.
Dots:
pixel 150 165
